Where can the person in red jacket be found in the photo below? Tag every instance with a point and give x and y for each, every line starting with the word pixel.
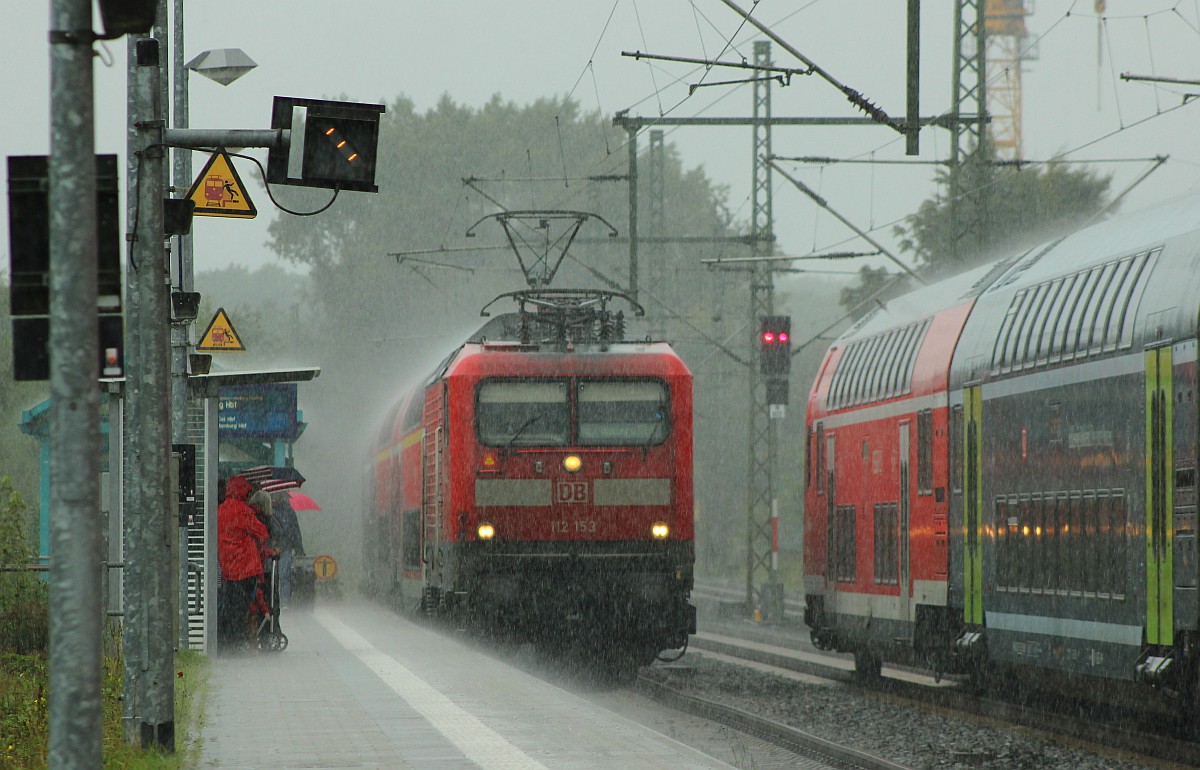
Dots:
pixel 239 536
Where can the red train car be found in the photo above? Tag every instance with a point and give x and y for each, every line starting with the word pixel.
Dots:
pixel 876 529
pixel 543 489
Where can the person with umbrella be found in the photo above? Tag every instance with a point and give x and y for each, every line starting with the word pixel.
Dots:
pixel 287 538
pixel 239 537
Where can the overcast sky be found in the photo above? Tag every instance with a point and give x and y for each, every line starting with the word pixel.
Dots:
pixel 1074 103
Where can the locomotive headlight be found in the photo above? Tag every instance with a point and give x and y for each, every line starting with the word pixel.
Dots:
pixel 572 463
pixel 485 531
pixel 660 530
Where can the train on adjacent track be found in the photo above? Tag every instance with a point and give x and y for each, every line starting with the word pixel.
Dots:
pixel 1001 468
pixel 538 484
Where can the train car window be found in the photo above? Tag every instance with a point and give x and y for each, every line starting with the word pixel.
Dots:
pixel 1020 338
pixel 1089 342
pixel 863 373
pixel 910 354
pixel 1106 333
pixel 820 458
pixel 1023 567
pixel 1084 311
pixel 1031 327
pixel 1075 545
pixel 1038 342
pixel 883 388
pixel 1006 325
pixel 956 455
pixel 1037 533
pixel 1012 341
pixel 1057 330
pixel 622 413
pixel 886 543
pixel 1005 530
pixel 522 413
pixel 1049 542
pixel 1136 287
pixel 847 556
pixel 925 452
pixel 840 384
pixel 1119 544
pixel 893 385
pixel 410 557
pixel 1073 312
pixel 1093 554
pixel 891 349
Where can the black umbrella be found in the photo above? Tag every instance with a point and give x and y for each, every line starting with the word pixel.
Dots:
pixel 273 478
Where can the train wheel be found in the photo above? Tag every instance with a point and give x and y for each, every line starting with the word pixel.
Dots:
pixel 867 664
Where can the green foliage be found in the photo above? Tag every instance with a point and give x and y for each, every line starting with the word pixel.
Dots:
pixel 24 715
pixel 876 285
pixel 24 608
pixel 1001 208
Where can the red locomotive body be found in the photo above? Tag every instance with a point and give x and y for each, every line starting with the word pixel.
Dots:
pixel 543 490
pixel 876 529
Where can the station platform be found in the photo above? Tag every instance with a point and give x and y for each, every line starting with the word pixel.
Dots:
pixel 361 687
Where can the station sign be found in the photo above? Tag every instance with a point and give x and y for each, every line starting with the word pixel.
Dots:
pixel 258 411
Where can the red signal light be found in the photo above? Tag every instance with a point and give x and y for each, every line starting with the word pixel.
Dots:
pixel 783 336
pixel 768 337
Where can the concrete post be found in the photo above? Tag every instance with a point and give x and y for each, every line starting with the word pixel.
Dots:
pixel 75 611
pixel 149 535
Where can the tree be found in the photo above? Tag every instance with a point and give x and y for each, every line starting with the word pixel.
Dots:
pixel 1001 209
pixel 875 285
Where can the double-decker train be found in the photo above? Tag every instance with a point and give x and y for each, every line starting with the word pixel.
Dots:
pixel 539 483
pixel 1001 467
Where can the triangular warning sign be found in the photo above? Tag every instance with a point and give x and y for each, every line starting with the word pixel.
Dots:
pixel 218 190
pixel 220 336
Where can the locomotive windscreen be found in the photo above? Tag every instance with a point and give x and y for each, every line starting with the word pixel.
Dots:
pixel 523 413
pixel 622 413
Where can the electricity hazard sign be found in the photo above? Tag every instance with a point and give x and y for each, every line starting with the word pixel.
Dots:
pixel 218 190
pixel 220 336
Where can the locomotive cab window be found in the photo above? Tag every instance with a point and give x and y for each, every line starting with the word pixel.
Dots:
pixel 523 413
pixel 622 413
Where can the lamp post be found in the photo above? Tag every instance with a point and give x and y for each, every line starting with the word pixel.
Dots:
pixel 224 66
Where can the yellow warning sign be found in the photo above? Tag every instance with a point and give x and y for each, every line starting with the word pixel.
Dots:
pixel 325 566
pixel 220 336
pixel 218 190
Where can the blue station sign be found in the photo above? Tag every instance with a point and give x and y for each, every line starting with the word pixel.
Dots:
pixel 262 411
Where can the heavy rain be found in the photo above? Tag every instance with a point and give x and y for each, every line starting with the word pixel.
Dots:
pixel 660 358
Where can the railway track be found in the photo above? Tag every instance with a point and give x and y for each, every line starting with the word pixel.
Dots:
pixel 799 742
pixel 1102 730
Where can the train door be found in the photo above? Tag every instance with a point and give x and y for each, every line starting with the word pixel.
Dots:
pixel 433 464
pixel 902 571
pixel 973 506
pixel 1159 481
pixel 831 524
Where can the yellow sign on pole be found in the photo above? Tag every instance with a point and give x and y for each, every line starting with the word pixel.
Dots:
pixel 218 190
pixel 220 336
pixel 325 566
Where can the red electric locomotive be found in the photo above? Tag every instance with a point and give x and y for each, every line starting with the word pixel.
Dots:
pixel 539 483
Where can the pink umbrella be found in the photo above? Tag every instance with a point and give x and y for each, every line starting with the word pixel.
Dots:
pixel 301 501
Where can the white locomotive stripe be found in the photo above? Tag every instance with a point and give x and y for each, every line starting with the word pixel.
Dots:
pixel 1067 628
pixel 481 744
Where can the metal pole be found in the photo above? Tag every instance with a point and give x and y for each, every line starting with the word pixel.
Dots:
pixel 149 535
pixel 633 215
pixel 75 610
pixel 181 331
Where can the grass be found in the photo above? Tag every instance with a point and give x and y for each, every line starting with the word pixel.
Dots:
pixel 24 719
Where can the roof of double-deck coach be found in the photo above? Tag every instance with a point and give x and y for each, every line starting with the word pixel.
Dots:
pixel 1101 291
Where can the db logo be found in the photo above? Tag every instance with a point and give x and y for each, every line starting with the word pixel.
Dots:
pixel 572 492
